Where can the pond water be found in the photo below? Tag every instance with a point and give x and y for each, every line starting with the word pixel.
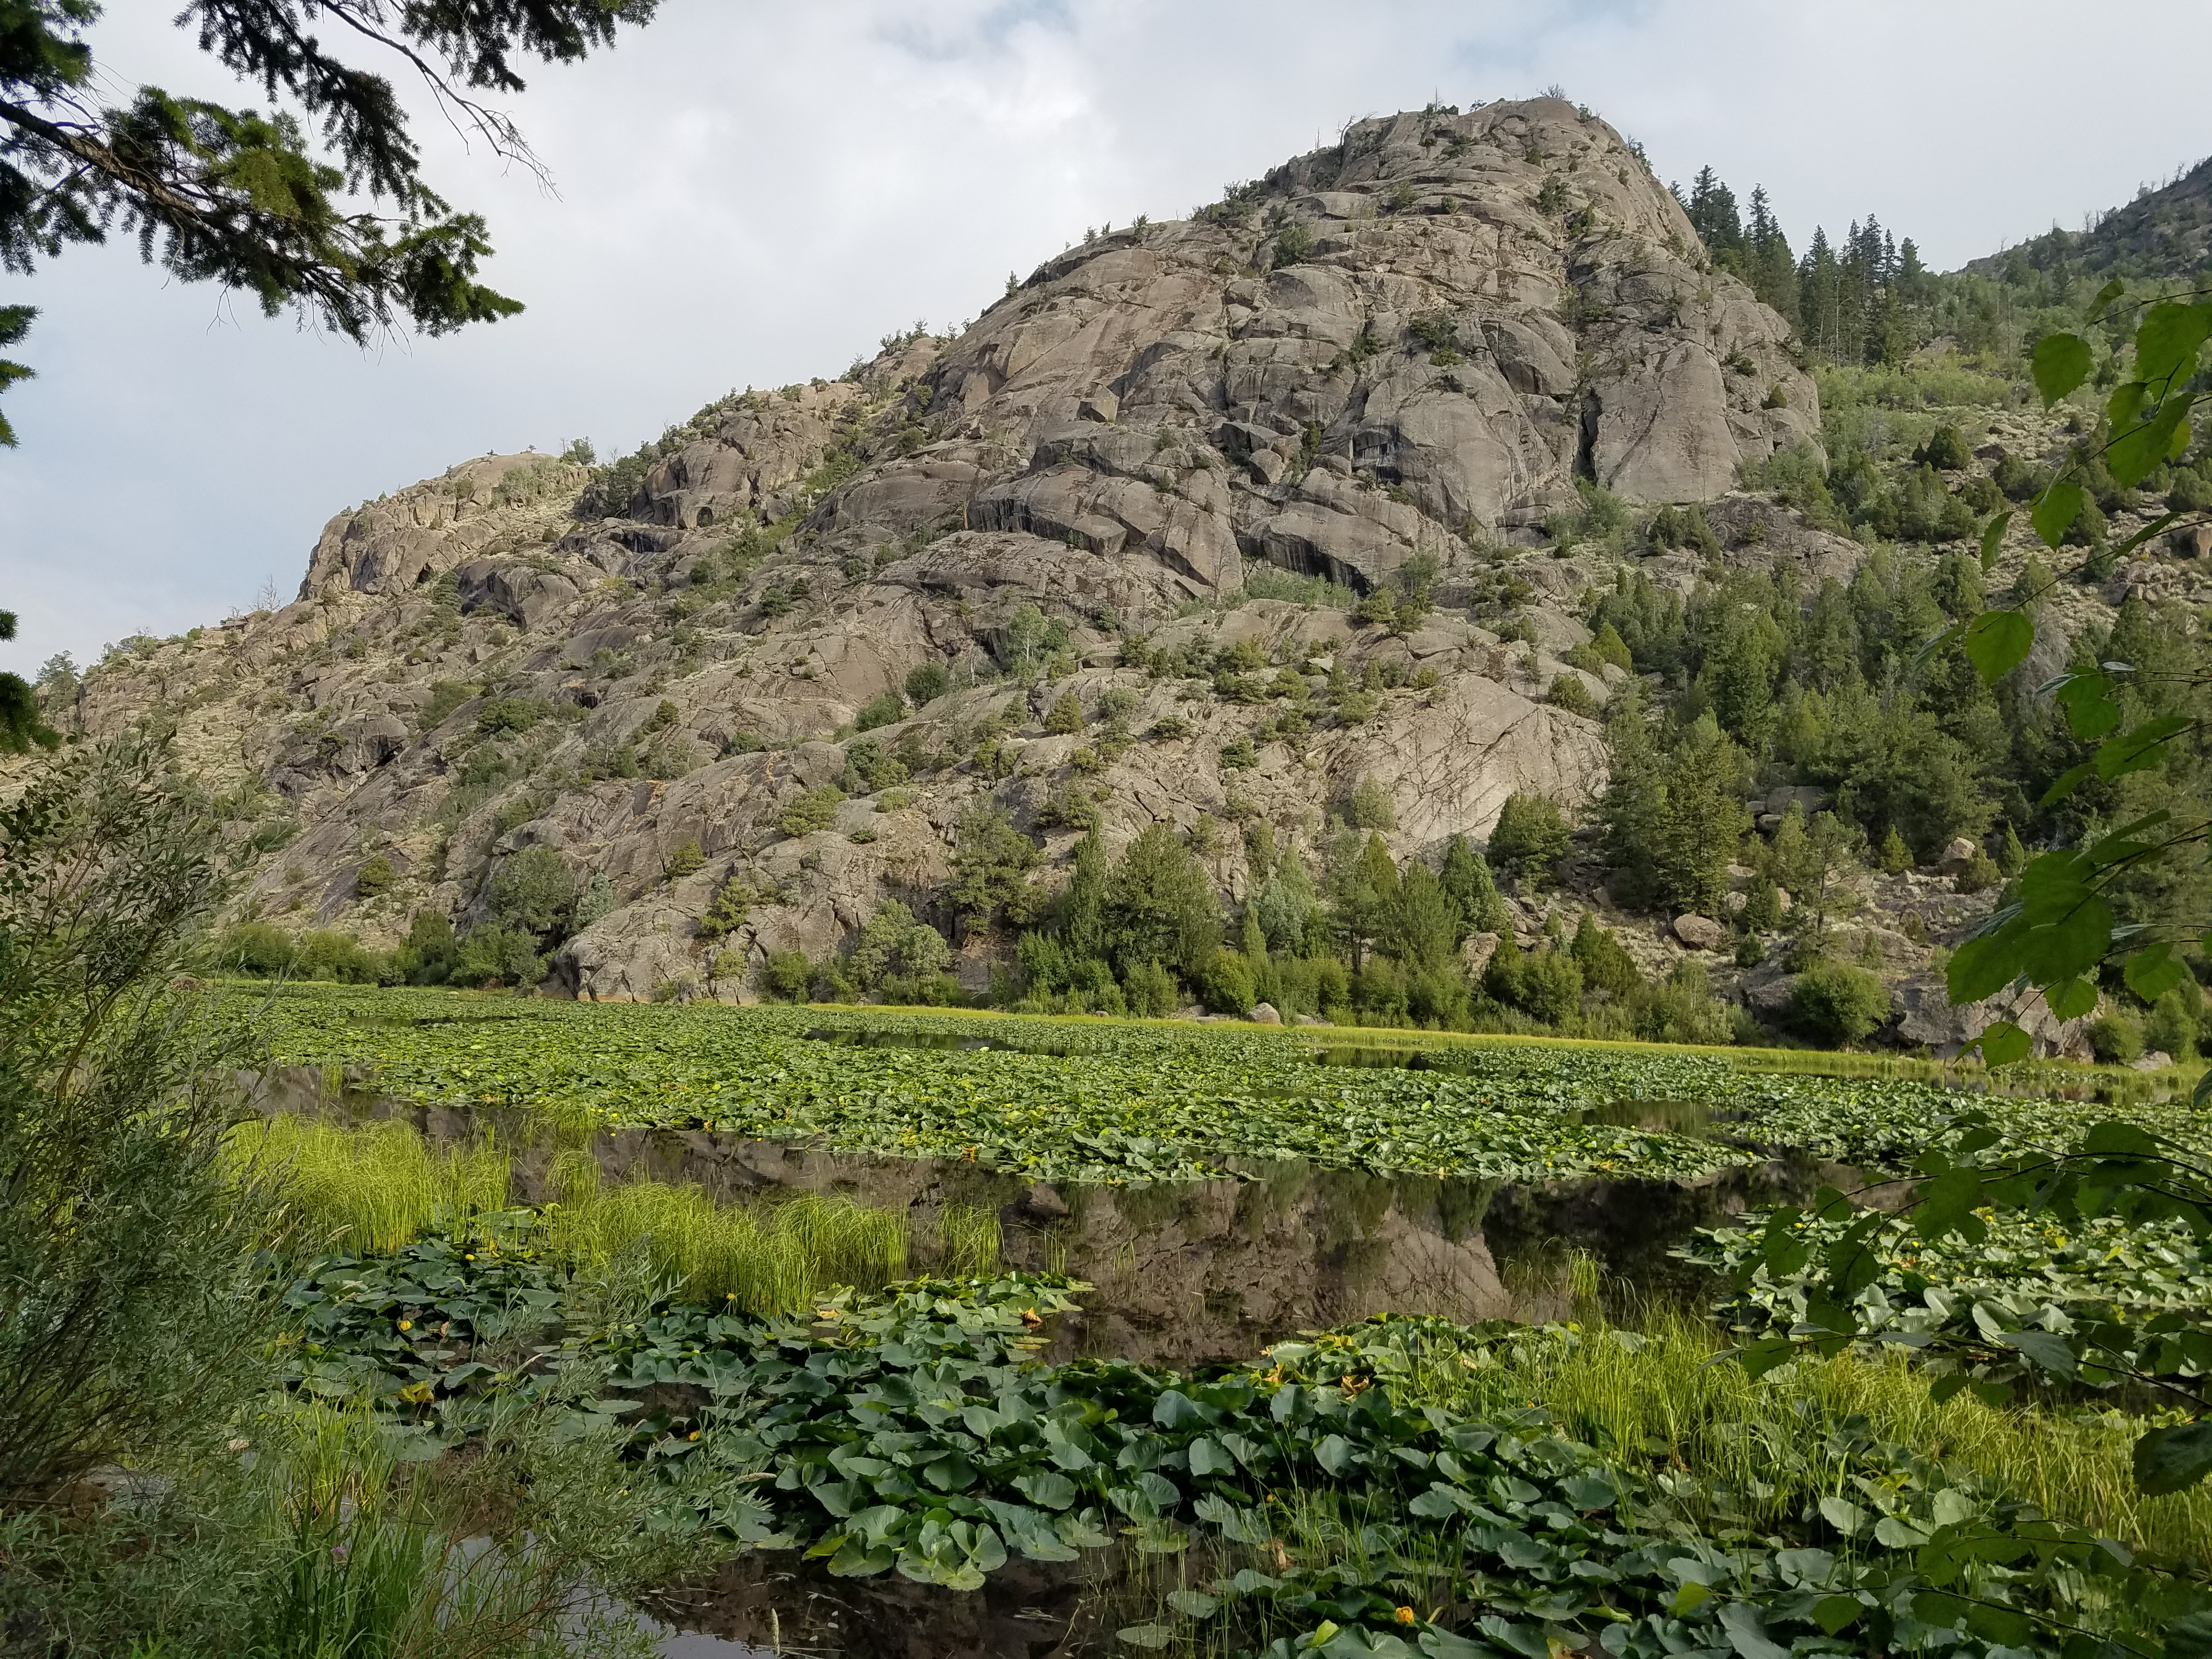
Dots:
pixel 1195 1273
pixel 1185 1275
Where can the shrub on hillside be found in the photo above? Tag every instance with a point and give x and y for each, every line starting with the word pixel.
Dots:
pixel 1834 1004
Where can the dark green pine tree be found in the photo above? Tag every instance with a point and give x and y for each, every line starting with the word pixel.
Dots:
pixel 1770 268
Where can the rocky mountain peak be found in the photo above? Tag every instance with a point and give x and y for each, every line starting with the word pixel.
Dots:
pixel 1154 478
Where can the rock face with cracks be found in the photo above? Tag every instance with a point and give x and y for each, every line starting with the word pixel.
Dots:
pixel 1384 366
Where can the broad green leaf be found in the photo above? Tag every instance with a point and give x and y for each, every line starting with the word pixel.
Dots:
pixel 1048 1489
pixel 1439 1643
pixel 1334 1453
pixel 1763 1356
pixel 2152 971
pixel 2072 1000
pixel 1149 1637
pixel 2190 1637
pixel 1845 1517
pixel 2169 339
pixel 2089 711
pixel 2001 1626
pixel 1835 1613
pixel 1746 1633
pixel 2068 781
pixel 2139 747
pixel 1993 534
pixel 1941 1204
pixel 2004 1043
pixel 2143 444
pixel 1194 1604
pixel 2071 943
pixel 1981 967
pixel 2045 1350
pixel 2061 362
pixel 1174 1408
pixel 2113 1138
pixel 1997 642
pixel 1208 1456
pixel 1692 1596
pixel 2105 295
pixel 2169 1459
pixel 1898 1534
pixel 2055 511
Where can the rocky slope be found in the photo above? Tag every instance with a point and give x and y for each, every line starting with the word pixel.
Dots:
pixel 1390 361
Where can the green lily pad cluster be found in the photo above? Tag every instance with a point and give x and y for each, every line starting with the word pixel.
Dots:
pixel 919 1432
pixel 2128 1289
pixel 1087 1100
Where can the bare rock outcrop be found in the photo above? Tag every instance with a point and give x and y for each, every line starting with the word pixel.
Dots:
pixel 1384 365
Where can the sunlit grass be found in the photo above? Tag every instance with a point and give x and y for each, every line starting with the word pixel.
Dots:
pixel 373 1190
pixel 765 1258
pixel 1656 1395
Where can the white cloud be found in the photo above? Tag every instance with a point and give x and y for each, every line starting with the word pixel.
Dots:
pixel 752 195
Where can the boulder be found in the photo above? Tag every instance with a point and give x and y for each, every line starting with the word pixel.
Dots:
pixel 1308 1019
pixel 1476 952
pixel 2156 1061
pixel 1925 1017
pixel 1699 932
pixel 1954 858
pixel 1263 1013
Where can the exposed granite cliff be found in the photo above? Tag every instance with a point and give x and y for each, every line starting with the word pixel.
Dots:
pixel 1390 359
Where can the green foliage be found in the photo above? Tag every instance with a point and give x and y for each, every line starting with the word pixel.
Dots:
pixel 812 810
pixel 1834 1004
pixel 375 878
pixel 726 911
pixel 926 682
pixel 2115 1037
pixel 1066 714
pixel 1294 244
pixel 883 709
pixel 445 696
pixel 1159 905
pixel 502 954
pixel 868 768
pixel 1674 817
pixel 241 196
pixel 1371 806
pixel 1530 835
pixel 1224 984
pixel 1544 984
pixel 501 716
pixel 991 865
pixel 131 1307
pixel 1466 879
pixel 2175 1019
pixel 1568 692
pixel 787 976
pixel 901 957
pixel 533 890
pixel 1605 966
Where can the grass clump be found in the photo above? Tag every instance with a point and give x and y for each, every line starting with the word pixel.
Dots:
pixel 770 1258
pixel 1769 1446
pixel 370 1189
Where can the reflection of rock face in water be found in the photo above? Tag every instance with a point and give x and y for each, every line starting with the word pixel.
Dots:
pixel 1186 1272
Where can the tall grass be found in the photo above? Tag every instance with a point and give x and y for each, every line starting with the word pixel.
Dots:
pixel 1656 1395
pixel 968 1241
pixel 375 1188
pixel 369 1189
pixel 770 1258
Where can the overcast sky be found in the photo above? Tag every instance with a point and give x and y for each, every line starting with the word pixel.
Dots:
pixel 751 194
